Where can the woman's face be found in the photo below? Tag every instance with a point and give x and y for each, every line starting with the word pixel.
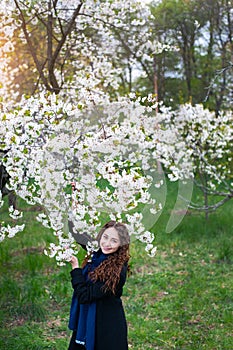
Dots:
pixel 109 241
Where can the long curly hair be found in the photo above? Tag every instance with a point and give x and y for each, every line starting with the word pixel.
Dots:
pixel 110 269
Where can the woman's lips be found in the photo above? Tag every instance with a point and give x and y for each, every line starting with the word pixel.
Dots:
pixel 107 249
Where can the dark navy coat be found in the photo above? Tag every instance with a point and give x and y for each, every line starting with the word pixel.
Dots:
pixel 111 327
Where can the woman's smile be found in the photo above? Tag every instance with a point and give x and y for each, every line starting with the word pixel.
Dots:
pixel 110 241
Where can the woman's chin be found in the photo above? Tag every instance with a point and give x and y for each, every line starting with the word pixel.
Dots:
pixel 107 251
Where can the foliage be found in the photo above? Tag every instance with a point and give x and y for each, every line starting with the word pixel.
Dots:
pixel 200 71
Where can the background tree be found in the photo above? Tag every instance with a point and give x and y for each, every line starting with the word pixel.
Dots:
pixel 220 50
pixel 64 48
pixel 51 36
pixel 199 147
pixel 200 70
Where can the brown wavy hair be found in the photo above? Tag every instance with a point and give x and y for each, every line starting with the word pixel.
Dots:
pixel 110 269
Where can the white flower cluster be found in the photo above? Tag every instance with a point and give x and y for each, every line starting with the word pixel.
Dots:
pixel 62 252
pixel 107 158
pixel 14 213
pixel 194 142
pixel 10 232
pixel 111 155
pixel 93 72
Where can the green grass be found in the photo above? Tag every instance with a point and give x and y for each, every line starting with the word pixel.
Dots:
pixel 180 299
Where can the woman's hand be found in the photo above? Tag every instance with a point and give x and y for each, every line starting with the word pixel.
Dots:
pixel 74 262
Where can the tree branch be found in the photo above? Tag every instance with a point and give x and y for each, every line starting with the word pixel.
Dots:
pixel 56 13
pixel 64 37
pixel 32 50
pixel 52 77
pixel 211 208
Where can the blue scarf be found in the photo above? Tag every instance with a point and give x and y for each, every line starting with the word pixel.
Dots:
pixel 82 316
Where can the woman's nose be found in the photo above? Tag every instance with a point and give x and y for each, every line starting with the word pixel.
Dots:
pixel 108 242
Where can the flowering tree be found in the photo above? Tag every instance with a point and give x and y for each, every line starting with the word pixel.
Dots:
pixel 196 144
pixel 44 136
pixel 106 151
pixel 82 131
pixel 75 47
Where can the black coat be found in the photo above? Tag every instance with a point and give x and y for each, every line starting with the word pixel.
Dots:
pixel 111 327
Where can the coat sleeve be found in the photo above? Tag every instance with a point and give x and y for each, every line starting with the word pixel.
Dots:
pixel 88 292
pixel 81 238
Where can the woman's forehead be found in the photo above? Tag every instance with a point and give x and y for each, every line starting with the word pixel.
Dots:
pixel 111 231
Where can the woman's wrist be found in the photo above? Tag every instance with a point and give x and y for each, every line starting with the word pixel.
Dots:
pixel 74 262
pixel 75 266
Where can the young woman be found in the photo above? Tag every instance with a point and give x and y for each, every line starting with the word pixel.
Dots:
pixel 97 316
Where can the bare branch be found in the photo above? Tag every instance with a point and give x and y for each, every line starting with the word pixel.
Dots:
pixel 218 73
pixel 211 208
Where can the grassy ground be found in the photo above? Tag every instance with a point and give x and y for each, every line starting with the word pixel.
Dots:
pixel 180 299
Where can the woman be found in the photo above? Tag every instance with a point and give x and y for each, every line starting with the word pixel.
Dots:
pixel 97 316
